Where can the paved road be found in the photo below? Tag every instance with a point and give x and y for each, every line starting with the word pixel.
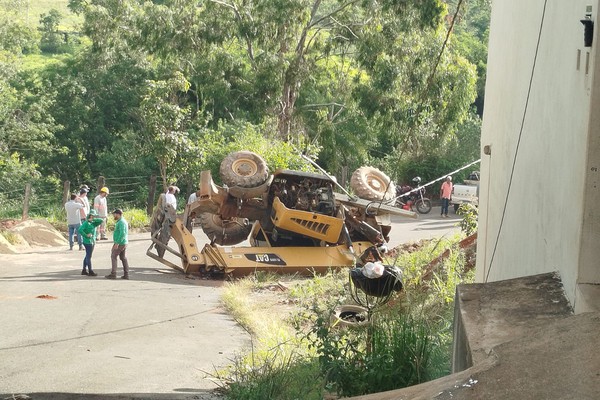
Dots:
pixel 154 336
pixel 427 226
pixel 156 333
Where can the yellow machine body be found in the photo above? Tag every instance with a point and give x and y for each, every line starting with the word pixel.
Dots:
pixel 240 261
pixel 290 233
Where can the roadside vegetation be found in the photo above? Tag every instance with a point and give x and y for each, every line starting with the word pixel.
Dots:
pixel 56 216
pixel 298 352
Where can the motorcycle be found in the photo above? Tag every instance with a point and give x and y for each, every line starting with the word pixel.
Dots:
pixel 407 197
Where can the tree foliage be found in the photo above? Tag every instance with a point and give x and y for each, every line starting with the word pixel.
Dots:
pixel 169 86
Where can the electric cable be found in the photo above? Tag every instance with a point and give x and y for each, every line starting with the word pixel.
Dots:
pixel 512 171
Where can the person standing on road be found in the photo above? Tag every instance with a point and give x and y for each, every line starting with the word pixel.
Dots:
pixel 87 231
pixel 101 207
pixel 74 220
pixel 120 245
pixel 445 195
pixel 83 200
pixel 170 196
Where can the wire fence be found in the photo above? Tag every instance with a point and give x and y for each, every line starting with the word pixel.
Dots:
pixel 43 197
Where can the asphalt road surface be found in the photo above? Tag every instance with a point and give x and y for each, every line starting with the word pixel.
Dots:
pixel 426 226
pixel 158 335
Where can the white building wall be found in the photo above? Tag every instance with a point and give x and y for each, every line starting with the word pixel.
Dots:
pixel 541 230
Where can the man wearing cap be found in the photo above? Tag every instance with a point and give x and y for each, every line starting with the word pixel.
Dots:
pixel 83 199
pixel 87 231
pixel 101 207
pixel 119 246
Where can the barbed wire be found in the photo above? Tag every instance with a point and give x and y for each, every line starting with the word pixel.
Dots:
pixel 47 197
pixel 127 177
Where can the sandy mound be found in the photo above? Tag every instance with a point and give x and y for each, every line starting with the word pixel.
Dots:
pixel 40 233
pixel 5 246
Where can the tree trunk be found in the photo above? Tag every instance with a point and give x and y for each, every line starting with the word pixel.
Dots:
pixel 163 173
pixel 291 80
pixel 288 99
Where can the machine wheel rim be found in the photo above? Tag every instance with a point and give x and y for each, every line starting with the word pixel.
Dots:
pixel 244 167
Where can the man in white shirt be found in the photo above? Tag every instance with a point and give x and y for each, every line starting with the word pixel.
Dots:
pixel 170 196
pixel 83 200
pixel 101 207
pixel 74 220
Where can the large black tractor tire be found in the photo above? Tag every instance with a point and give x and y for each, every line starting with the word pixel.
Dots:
pixel 245 169
pixel 224 232
pixel 372 184
pixel 423 206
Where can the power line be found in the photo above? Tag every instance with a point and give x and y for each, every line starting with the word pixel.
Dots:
pixel 512 171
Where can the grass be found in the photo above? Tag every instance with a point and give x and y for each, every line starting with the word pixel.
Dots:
pixel 10 237
pixel 39 61
pixel 277 365
pixel 408 341
pixel 35 8
pixel 278 375
pixel 136 217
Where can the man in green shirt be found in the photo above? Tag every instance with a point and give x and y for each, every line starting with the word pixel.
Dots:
pixel 87 232
pixel 120 245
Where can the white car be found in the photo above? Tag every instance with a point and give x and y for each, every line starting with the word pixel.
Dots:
pixel 467 193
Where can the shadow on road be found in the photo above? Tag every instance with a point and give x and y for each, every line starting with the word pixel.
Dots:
pixel 136 274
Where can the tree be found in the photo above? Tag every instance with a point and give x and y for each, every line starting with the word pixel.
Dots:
pixel 26 132
pixel 366 79
pixel 51 38
pixel 165 117
pixel 471 38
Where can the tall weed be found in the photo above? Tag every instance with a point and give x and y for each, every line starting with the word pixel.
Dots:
pixel 276 375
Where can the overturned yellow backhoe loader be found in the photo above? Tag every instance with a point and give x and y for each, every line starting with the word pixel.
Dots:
pixel 294 221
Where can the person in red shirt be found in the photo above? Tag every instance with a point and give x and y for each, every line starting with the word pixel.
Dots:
pixel 445 195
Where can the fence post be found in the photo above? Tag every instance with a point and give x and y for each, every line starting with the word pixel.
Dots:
pixel 26 202
pixel 151 193
pixel 100 183
pixel 66 190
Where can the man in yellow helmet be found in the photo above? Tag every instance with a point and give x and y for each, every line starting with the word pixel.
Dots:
pixel 101 207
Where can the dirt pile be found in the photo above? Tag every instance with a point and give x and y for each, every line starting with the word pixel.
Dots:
pixel 31 233
pixel 409 247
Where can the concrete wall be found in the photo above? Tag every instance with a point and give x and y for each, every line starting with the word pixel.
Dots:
pixel 589 266
pixel 541 230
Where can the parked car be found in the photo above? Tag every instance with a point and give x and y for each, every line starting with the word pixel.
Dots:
pixel 466 193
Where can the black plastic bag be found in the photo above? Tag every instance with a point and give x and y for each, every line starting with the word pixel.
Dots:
pixel 391 280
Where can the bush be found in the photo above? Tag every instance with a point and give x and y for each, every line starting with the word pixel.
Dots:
pixel 236 136
pixel 394 351
pixel 136 218
pixel 469 214
pixel 460 150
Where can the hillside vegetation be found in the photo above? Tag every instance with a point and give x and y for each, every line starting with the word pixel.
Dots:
pixel 131 89
pixel 33 9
